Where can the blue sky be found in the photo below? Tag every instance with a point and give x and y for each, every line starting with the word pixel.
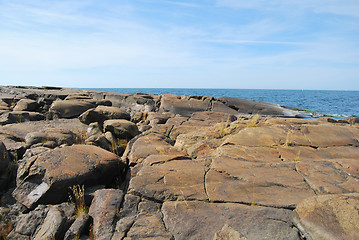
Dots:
pixel 278 44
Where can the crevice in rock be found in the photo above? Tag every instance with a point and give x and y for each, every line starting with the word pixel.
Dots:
pixel 289 207
pixel 129 228
pixel 170 160
pixel 303 234
pixel 165 225
pixel 230 176
pixel 305 179
pixel 204 179
pixel 147 197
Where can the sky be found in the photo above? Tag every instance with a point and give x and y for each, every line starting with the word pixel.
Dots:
pixel 239 44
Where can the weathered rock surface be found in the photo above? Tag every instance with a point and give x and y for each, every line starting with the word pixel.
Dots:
pixel 71 108
pixel 102 113
pixel 78 226
pixel 45 178
pixel 200 220
pixel 195 167
pixel 121 128
pixel 330 216
pixel 103 210
pixel 26 105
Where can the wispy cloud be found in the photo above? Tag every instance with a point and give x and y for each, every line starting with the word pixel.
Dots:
pixel 192 43
pixel 340 7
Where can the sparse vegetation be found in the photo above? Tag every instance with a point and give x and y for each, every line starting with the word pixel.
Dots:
pixel 77 196
pixel 80 137
pixel 297 158
pixel 287 139
pixel 223 128
pixel 144 116
pixel 119 146
pixel 253 121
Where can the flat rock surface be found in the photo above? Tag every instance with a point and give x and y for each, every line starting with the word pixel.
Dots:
pixel 340 212
pixel 200 220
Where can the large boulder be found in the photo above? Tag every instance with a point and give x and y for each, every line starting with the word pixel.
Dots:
pixel 20 130
pixel 51 137
pixel 243 106
pixel 330 217
pixel 183 106
pixel 102 113
pixel 46 178
pixel 141 147
pixel 14 117
pixel 26 105
pixel 121 128
pixel 71 108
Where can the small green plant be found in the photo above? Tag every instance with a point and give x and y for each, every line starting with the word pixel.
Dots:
pixel 77 196
pixel 253 121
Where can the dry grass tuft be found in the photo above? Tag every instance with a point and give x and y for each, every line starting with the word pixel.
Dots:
pixel 287 139
pixel 297 158
pixel 119 146
pixel 77 196
pixel 80 137
pixel 253 121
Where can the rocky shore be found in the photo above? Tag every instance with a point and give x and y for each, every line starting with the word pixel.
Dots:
pixel 85 164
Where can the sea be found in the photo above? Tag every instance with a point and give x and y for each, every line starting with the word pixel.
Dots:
pixel 336 104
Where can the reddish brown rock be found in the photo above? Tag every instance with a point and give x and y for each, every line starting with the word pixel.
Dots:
pixel 147 145
pixel 71 108
pixel 171 180
pixel 258 136
pixel 26 105
pixel 20 130
pixel 325 135
pixel 159 118
pixel 102 113
pixel 252 154
pixel 51 137
pixel 330 216
pixel 324 177
pixel 269 184
pixel 148 223
pixel 182 106
pixel 104 207
pixel 199 220
pixel 121 128
pixel 45 178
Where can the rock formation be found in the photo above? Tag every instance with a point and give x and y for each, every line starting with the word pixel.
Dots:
pixel 85 164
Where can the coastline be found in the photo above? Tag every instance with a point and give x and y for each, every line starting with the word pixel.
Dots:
pixel 172 167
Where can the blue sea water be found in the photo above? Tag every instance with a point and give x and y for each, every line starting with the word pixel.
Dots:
pixel 338 104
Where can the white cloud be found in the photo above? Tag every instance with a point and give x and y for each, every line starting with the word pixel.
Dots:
pixel 120 41
pixel 340 7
